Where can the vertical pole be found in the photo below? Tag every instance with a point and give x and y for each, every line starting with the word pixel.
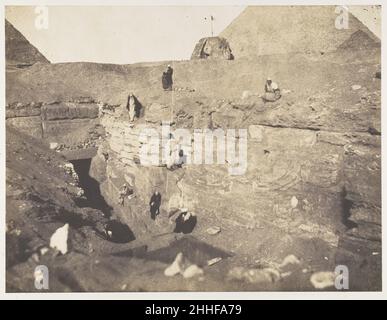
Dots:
pixel 212 26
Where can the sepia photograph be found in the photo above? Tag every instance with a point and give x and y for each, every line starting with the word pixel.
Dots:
pixel 192 148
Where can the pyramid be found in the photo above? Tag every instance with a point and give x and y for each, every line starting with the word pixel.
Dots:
pixel 18 50
pixel 267 30
pixel 359 40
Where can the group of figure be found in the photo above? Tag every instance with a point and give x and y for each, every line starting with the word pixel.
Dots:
pixel 184 222
pixel 134 107
pixel 272 93
pixel 126 192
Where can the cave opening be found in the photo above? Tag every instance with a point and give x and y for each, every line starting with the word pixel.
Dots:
pixel 92 193
pixel 346 205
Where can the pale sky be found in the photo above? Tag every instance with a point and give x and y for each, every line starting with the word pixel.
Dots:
pixel 120 34
pixel 130 34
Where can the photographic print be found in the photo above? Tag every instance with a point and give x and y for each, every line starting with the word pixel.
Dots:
pixel 193 148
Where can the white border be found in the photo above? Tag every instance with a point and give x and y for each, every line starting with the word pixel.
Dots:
pixel 182 295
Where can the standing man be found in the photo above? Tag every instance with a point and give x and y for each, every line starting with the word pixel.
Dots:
pixel 167 80
pixel 154 204
pixel 131 107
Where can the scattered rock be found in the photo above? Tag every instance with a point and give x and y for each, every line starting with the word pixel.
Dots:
pixel 323 279
pixel 246 94
pixel 80 192
pixel 213 230
pixel 176 267
pixel 306 205
pixel 213 261
pixel 69 168
pixel 192 271
pixel 266 275
pixel 43 251
pixel 290 259
pixel 294 202
pixel 59 239
pixel 35 257
pixel 356 87
pixel 54 145
pixel 286 274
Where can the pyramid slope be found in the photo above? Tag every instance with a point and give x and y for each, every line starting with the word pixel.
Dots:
pixel 261 30
pixel 359 40
pixel 18 50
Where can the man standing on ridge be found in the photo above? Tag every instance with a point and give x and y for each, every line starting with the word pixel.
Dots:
pixel 154 204
pixel 167 81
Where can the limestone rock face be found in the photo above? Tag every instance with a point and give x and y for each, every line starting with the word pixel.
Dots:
pixel 212 48
pixel 73 125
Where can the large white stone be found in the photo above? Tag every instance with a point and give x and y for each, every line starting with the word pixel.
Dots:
pixel 59 239
pixel 53 145
pixel 294 202
pixel 176 267
pixel 213 230
pixel 192 271
pixel 323 279
pixel 290 259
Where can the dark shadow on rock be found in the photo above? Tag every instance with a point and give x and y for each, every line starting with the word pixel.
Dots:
pixel 139 251
pixel 93 196
pixel 16 250
pixel 66 278
pixel 355 253
pixel 194 250
pixel 118 232
pixel 346 206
